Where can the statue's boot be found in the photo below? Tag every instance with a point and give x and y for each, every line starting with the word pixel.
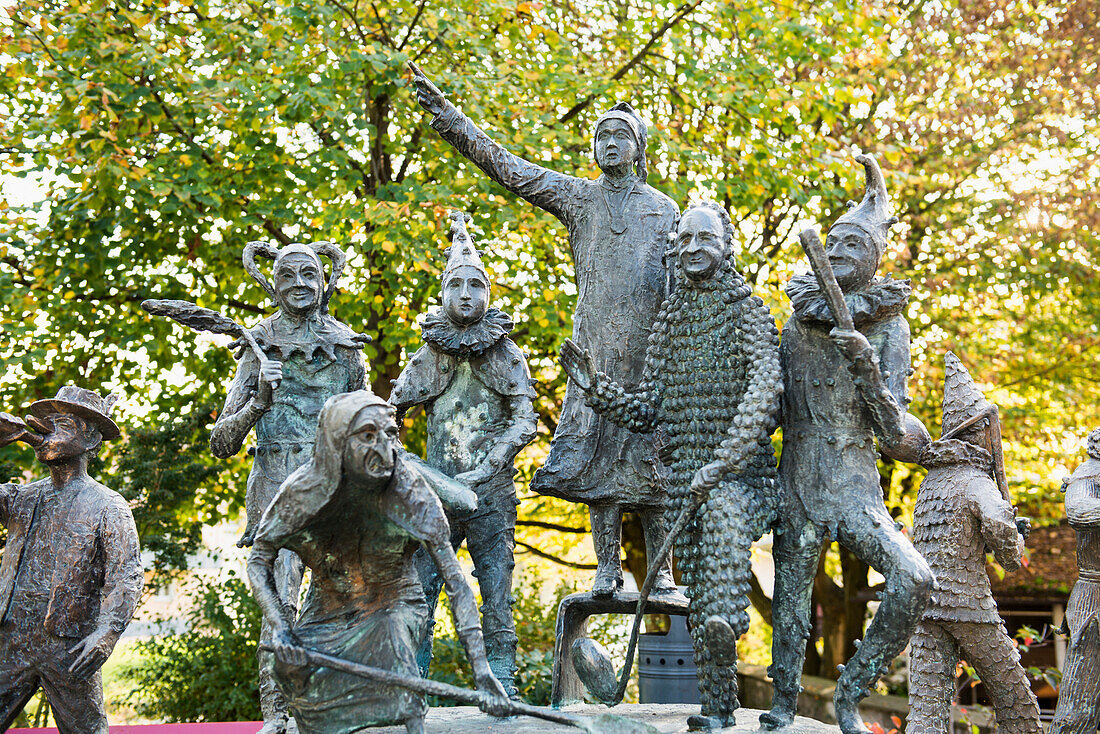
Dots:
pixel 607 540
pixel 699 722
pixel 655 529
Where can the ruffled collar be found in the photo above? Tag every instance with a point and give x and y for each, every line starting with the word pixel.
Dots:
pixel 319 333
pixel 952 452
pixel 884 298
pixel 465 341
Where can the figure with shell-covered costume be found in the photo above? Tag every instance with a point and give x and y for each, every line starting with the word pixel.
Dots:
pixel 477 395
pixel 309 356
pixel 963 510
pixel 617 227
pixel 355 513
pixel 1078 709
pixel 843 389
pixel 712 381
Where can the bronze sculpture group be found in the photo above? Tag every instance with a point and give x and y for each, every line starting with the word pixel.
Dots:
pixel 667 338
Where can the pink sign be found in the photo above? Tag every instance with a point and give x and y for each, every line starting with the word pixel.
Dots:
pixel 234 727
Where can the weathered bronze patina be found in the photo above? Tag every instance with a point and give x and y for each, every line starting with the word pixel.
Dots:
pixel 712 380
pixel 477 393
pixel 964 511
pixel 289 364
pixel 1078 709
pixel 617 227
pixel 71 573
pixel 355 514
pixel 845 357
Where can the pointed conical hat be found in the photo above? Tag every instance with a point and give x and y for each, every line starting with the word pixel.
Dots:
pixel 962 400
pixel 462 252
pixel 874 214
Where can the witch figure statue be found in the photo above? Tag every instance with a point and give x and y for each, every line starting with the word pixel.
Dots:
pixel 355 514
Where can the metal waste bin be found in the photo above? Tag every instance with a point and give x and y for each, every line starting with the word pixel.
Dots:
pixel 666 668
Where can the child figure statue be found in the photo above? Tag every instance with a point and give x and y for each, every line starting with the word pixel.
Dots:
pixel 473 382
pixel 962 509
pixel 712 380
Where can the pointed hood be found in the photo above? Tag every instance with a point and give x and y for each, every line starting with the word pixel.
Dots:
pixel 875 214
pixel 462 252
pixel 962 400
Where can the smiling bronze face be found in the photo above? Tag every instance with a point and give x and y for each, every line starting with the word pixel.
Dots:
pixel 852 255
pixel 371 450
pixel 298 283
pixel 700 243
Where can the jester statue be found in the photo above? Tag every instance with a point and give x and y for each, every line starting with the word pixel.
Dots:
pixel 71 575
pixel 843 387
pixel 618 227
pixel 365 603
pixel 307 357
pixel 473 382
pixel 1078 709
pixel 963 509
pixel 712 380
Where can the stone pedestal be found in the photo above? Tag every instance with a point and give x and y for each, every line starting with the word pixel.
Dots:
pixel 572 624
pixel 666 718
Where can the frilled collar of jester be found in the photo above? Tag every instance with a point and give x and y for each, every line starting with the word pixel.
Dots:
pixel 465 341
pixel 952 452
pixel 884 298
pixel 321 332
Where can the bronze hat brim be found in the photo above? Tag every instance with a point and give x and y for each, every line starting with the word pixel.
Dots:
pixel 52 406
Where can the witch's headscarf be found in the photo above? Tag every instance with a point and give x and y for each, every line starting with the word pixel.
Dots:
pixel 312 487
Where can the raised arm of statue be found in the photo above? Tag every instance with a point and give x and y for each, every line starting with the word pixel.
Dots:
pixel 546 189
pixel 243 407
pixel 881 379
pixel 998 524
pixel 1083 503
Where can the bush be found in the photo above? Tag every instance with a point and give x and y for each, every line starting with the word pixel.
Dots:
pixel 207 673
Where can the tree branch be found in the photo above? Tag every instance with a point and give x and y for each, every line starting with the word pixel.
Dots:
pixel 561 561
pixel 550 526
pixel 682 12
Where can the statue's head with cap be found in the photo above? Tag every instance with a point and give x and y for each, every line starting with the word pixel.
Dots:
pixel 465 281
pixel 857 240
pixel 619 142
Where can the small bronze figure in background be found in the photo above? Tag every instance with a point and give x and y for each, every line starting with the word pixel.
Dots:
pixel 71 574
pixel 477 393
pixel 963 509
pixel 618 227
pixel 356 514
pixel 712 381
pixel 842 389
pixel 1078 709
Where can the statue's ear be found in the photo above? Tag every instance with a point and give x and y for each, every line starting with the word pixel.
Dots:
pixel 263 249
pixel 339 259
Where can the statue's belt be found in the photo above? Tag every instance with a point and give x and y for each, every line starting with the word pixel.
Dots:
pixel 830 434
pixel 1086 574
pixel 275 448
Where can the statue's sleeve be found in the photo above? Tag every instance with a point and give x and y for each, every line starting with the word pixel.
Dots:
pixel 261 577
pixel 542 187
pixel 635 410
pixel 123 576
pixel 758 411
pixel 240 412
pixel 357 370
pixel 7 494
pixel 881 381
pixel 997 522
pixel 463 605
pixel 1083 502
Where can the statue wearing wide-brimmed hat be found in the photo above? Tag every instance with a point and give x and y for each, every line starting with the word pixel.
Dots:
pixel 71 573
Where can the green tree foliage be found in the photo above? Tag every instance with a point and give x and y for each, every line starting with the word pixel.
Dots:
pixel 207 673
pixel 170 133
